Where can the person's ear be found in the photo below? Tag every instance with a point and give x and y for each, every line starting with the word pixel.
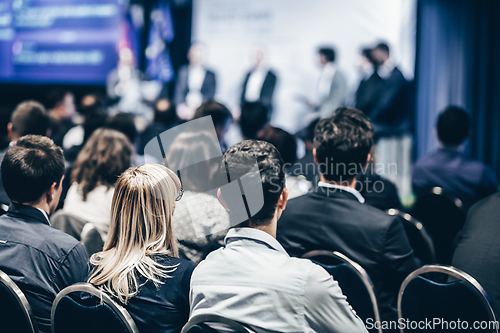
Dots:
pixel 368 159
pixel 9 132
pixel 52 190
pixel 315 157
pixel 283 199
pixel 221 199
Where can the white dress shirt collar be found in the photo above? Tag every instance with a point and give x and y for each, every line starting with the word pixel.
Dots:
pixel 344 188
pixel 44 214
pixel 256 235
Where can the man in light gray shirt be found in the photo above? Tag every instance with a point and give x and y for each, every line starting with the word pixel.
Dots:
pixel 252 279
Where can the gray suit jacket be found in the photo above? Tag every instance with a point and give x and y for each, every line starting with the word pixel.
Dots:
pixel 181 85
pixel 336 97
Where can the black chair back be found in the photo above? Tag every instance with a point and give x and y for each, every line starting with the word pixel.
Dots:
pixel 419 239
pixel 443 217
pixel 72 313
pixel 15 311
pixel 355 283
pixel 91 239
pixel 458 304
pixel 199 324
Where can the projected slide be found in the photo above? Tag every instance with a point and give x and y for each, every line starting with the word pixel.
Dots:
pixel 59 41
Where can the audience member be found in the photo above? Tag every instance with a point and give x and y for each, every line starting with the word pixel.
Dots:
pixel 259 82
pixel 478 249
pixel 368 90
pixel 28 117
pixel 252 279
pixel 199 221
pixel 253 118
pixel 306 166
pixel 105 156
pixel 139 264
pixel 62 110
pixel 221 117
pixel 194 85
pixel 449 168
pixel 41 260
pixel 335 218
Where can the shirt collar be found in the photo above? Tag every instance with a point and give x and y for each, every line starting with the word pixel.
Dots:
pixel 44 214
pixel 344 188
pixel 256 235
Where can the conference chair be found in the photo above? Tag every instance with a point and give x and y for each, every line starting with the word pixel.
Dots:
pixel 462 298
pixel 200 324
pixel 355 283
pixel 419 239
pixel 68 223
pixel 82 308
pixel 91 239
pixel 443 216
pixel 15 311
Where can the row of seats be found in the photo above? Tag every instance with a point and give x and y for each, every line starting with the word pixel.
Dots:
pixel 424 295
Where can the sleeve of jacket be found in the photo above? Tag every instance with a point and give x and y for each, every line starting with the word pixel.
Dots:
pixel 181 85
pixel 73 268
pixel 336 98
pixel 209 86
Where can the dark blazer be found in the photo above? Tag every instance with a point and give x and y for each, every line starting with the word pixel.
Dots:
pixel 41 260
pixel 368 93
pixel 457 174
pixel 266 92
pixel 334 220
pixel 478 249
pixel 378 191
pixel 182 89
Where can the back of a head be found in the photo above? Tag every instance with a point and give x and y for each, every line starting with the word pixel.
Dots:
pixel 124 122
pixel 342 144
pixel 238 161
pixel 141 215
pixel 30 117
pixel 253 118
pixel 453 126
pixel 220 114
pixel 367 53
pixel 102 159
pixel 29 168
pixel 282 140
pixel 328 53
pixel 383 47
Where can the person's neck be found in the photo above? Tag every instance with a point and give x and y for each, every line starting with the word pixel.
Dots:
pixel 458 148
pixel 352 183
pixel 39 205
pixel 269 228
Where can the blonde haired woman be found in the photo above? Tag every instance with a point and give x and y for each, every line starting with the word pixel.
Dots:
pixel 139 264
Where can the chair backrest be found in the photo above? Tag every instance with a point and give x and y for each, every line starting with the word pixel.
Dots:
pixel 73 313
pixel 418 237
pixel 443 216
pixel 355 283
pixel 200 324
pixel 68 223
pixel 91 239
pixel 15 311
pixel 462 300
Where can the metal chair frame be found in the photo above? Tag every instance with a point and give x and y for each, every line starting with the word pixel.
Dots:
pixel 360 271
pixel 21 300
pixel 88 288
pixel 211 318
pixel 451 271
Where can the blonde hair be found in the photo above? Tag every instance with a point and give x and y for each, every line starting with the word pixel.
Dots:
pixel 141 226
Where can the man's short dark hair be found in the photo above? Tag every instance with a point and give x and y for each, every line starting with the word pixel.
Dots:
pixel 453 126
pixel 30 166
pixel 328 52
pixel 124 122
pixel 220 114
pixel 342 144
pixel 30 117
pixel 282 140
pixel 271 171
pixel 253 118
pixel 383 47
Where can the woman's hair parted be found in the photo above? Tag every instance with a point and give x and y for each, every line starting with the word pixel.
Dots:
pixel 104 157
pixel 141 226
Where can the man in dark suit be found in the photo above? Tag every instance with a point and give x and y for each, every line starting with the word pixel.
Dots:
pixel 334 217
pixel 449 168
pixel 370 85
pixel 41 260
pixel 195 84
pixel 478 249
pixel 259 82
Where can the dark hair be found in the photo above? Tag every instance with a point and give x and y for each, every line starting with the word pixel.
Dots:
pixel 30 117
pixel 94 120
pixel 165 112
pixel 30 166
pixel 220 114
pixel 328 52
pixel 342 144
pixel 453 126
pixel 124 122
pixel 237 159
pixel 282 140
pixel 367 53
pixel 311 130
pixel 253 118
pixel 105 156
pixel 383 47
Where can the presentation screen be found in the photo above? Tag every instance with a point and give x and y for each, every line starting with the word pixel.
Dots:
pixel 59 41
pixel 291 31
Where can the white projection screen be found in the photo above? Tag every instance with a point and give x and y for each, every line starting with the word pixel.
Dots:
pixel 291 31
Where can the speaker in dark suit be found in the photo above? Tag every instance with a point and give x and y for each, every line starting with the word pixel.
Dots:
pixel 207 88
pixel 265 88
